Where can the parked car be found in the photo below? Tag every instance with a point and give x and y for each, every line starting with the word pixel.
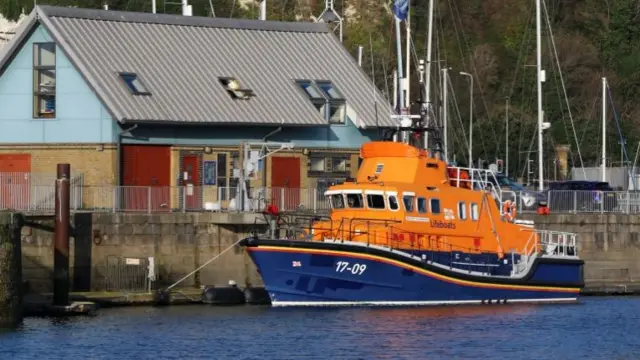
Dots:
pixel 582 196
pixel 524 198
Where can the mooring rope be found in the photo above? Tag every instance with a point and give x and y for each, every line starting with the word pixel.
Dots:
pixel 203 265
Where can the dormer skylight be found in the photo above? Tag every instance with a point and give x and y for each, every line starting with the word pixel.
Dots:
pixel 326 98
pixel 134 84
pixel 235 89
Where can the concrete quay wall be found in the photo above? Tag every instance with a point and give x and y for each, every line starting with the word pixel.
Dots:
pixel 609 245
pixel 181 242
pixel 109 252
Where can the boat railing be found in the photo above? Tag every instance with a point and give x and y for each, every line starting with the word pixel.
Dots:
pixel 547 243
pixel 476 179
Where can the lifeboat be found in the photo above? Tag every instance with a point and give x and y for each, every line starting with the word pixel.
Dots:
pixel 412 230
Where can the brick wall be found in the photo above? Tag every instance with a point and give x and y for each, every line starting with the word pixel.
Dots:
pixel 96 161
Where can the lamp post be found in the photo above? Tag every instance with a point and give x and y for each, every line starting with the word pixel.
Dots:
pixel 470 116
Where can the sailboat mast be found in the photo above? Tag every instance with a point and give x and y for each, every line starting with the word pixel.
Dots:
pixel 539 81
pixel 427 84
pixel 408 68
pixel 604 130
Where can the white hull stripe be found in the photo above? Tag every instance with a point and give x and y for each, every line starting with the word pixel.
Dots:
pixel 276 303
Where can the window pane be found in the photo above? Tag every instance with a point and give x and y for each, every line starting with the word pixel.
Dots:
pixel 408 202
pixel 474 212
pixel 330 90
pixel 339 165
pixel 317 164
pixel 337 201
pixel 336 113
pixel 375 201
pixel 310 90
pixel 44 54
pixel 422 205
pixel 355 201
pixel 462 210
pixel 393 203
pixel 435 206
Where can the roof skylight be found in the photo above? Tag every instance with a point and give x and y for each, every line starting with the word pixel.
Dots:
pixel 134 84
pixel 235 90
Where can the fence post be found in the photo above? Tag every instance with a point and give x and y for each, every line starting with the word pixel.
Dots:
pixel 149 199
pixel 183 190
pixel 315 200
pixel 575 201
pixel 282 199
pixel 115 198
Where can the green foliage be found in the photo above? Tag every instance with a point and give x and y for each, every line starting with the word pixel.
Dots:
pixel 491 39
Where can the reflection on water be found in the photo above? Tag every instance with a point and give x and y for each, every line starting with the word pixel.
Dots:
pixel 597 329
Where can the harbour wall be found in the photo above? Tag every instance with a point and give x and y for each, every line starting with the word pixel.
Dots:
pixel 608 243
pixel 11 299
pixel 110 251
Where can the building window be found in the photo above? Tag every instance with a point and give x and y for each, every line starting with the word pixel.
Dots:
pixel 326 98
pixel 321 165
pixel 337 108
pixel 235 90
pixel 44 80
pixel 134 83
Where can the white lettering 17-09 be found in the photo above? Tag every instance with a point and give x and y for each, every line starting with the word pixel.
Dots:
pixel 356 269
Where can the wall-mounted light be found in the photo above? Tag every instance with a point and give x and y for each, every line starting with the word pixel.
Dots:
pixel 305 151
pixel 100 147
pixel 207 150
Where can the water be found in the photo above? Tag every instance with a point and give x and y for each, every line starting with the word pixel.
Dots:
pixel 597 328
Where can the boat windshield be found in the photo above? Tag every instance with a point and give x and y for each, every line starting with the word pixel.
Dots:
pixel 337 201
pixel 355 201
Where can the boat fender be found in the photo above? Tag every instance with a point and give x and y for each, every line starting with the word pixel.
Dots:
pixel 230 295
pixel 161 298
pixel 256 296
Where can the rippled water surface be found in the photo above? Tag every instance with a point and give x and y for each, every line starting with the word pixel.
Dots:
pixel 597 328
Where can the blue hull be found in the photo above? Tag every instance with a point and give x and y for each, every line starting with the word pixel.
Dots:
pixel 321 274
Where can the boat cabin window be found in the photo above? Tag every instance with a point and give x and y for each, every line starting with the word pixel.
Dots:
pixel 435 206
pixel 355 201
pixel 408 202
pixel 379 168
pixel 393 202
pixel 462 210
pixel 337 201
pixel 422 205
pixel 475 214
pixel 375 201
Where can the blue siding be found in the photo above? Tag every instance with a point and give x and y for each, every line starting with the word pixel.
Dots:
pixel 334 136
pixel 80 117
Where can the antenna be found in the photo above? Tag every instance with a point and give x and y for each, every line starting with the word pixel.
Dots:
pixel 330 16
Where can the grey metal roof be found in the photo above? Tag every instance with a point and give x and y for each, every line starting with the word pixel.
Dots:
pixel 179 59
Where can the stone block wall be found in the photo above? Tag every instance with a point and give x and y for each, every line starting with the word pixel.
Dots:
pixel 178 242
pixel 609 244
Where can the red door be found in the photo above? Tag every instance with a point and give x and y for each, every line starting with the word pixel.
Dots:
pixel 285 182
pixel 190 181
pixel 146 178
pixel 15 189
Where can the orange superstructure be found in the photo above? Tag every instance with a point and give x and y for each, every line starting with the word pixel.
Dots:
pixel 408 198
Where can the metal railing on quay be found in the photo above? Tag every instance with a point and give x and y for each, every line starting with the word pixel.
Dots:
pixel 36 196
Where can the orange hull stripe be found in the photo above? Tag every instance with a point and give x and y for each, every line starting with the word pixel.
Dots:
pixel 415 269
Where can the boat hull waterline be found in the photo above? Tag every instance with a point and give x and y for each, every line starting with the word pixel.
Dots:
pixel 334 275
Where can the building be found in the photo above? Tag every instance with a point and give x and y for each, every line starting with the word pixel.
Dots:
pixel 155 102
